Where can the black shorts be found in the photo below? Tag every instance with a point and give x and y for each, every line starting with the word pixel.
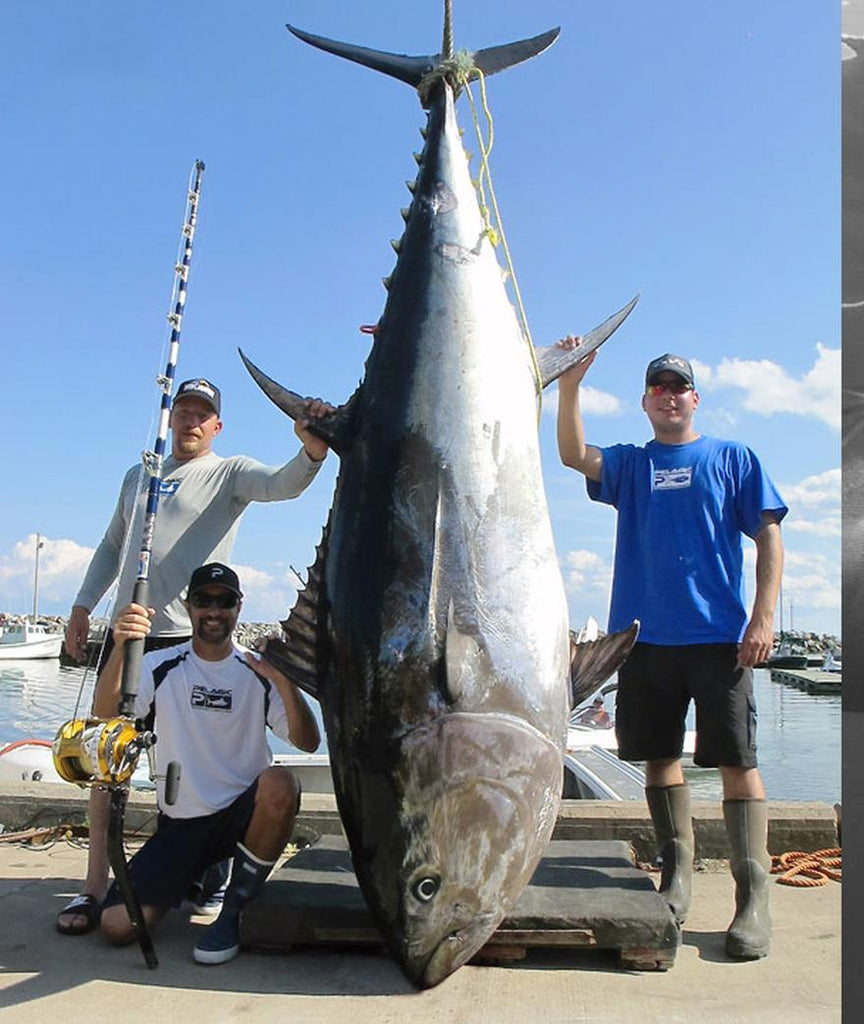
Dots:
pixel 655 687
pixel 182 849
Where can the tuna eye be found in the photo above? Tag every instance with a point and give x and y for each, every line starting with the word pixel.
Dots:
pixel 425 889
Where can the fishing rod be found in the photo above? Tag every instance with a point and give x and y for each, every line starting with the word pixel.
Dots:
pixel 104 752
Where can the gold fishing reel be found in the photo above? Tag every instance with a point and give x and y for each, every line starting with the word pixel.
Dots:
pixel 99 751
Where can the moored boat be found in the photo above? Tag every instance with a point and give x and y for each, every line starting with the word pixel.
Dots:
pixel 787 656
pixel 27 640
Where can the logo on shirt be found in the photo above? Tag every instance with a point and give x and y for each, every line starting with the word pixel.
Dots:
pixel 672 479
pixel 168 487
pixel 211 700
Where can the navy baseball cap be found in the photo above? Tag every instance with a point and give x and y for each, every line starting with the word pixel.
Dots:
pixel 214 574
pixel 200 388
pixel 669 364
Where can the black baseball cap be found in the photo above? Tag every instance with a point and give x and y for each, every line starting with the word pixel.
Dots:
pixel 670 364
pixel 214 574
pixel 200 388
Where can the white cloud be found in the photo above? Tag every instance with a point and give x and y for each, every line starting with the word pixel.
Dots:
pixel 811 584
pixel 62 564
pixel 266 597
pixel 592 402
pixel 586 570
pixel 810 580
pixel 823 489
pixel 814 505
pixel 768 388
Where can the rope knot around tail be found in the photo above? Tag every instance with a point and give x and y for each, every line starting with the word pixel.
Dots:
pixel 455 70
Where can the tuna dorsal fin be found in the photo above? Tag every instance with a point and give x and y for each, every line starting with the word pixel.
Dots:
pixel 297 654
pixel 593 661
pixel 553 361
pixel 414 69
pixel 334 429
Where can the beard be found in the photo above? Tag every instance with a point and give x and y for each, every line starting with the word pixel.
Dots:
pixel 215 631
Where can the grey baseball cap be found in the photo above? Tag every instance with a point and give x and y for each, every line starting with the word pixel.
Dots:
pixel 671 364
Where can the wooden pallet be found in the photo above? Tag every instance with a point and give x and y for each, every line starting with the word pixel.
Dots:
pixel 584 895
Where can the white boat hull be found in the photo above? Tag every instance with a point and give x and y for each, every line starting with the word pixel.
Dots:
pixel 40 647
pixel 582 737
pixel 32 760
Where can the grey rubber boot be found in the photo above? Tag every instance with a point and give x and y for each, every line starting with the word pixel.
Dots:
pixel 673 826
pixel 221 941
pixel 749 935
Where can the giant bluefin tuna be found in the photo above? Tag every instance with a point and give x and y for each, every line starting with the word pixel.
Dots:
pixel 433 626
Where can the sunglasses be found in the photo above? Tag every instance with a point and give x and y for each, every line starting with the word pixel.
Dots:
pixel 673 387
pixel 199 600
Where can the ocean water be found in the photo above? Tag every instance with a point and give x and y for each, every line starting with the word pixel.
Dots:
pixel 798 733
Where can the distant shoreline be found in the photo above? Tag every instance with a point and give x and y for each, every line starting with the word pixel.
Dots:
pixel 247 632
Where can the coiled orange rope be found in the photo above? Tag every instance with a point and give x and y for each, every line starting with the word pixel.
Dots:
pixel 807 870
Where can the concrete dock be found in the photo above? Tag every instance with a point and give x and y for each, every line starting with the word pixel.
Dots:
pixel 810 680
pixel 48 976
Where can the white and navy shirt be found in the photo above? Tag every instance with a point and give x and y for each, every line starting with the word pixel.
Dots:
pixel 212 717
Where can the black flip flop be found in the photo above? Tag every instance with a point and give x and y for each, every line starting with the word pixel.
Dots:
pixel 84 905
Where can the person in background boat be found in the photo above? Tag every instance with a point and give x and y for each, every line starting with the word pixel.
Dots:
pixel 202 498
pixel 231 800
pixel 684 501
pixel 596 715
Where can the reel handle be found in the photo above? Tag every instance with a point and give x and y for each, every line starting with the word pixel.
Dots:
pixel 172 782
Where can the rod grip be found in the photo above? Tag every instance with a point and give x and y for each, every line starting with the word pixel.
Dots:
pixel 172 782
pixel 133 651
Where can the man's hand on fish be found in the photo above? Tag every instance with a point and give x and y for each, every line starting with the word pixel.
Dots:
pixel 574 375
pixel 255 661
pixel 314 409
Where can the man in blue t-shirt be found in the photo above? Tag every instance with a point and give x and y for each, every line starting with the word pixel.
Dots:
pixel 683 502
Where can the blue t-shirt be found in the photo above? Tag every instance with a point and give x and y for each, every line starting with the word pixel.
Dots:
pixel 682 509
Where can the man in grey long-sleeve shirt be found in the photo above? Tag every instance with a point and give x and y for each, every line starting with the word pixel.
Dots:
pixel 202 497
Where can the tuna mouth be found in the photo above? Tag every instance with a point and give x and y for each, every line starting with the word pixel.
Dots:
pixel 452 952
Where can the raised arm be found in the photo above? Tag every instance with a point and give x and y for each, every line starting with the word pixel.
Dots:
pixel 572 448
pixel 256 482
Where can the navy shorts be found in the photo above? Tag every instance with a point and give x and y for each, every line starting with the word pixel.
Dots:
pixel 655 687
pixel 182 849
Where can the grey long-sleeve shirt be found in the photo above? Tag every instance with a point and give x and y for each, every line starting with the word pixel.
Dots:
pixel 200 505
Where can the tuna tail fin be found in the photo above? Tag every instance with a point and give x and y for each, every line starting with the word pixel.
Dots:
pixel 333 428
pixel 592 662
pixel 414 69
pixel 553 361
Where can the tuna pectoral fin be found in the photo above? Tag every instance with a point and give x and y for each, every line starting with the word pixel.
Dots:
pixel 592 662
pixel 297 656
pixel 462 660
pixel 553 361
pixel 334 428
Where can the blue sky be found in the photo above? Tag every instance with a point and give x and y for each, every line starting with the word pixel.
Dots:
pixel 688 152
